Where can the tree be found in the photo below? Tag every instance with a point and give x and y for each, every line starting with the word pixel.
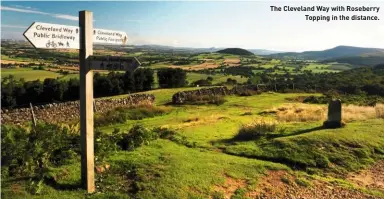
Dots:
pixel 128 82
pixel 73 89
pixel 143 79
pixel 53 90
pixel 171 77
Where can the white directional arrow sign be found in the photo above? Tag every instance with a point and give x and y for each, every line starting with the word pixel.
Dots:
pixel 45 35
pixel 109 36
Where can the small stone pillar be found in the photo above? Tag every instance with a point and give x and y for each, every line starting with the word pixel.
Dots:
pixel 334 115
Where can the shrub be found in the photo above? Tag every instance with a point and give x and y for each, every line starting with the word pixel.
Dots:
pixel 256 129
pixel 136 137
pixel 31 151
pixel 106 143
pixel 164 133
pixel 122 114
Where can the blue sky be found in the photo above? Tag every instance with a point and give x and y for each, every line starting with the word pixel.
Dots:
pixel 204 24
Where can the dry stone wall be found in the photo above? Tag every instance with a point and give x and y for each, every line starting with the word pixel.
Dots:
pixel 69 111
pixel 183 96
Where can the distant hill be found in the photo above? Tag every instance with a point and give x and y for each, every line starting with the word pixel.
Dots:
pixel 337 52
pixel 235 51
pixel 356 61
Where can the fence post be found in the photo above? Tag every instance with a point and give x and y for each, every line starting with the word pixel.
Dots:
pixel 33 115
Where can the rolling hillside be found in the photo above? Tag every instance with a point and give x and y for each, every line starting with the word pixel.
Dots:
pixel 333 53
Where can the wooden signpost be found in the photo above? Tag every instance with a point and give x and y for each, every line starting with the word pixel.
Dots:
pixel 54 36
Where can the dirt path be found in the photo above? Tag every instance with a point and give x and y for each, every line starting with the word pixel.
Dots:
pixel 280 184
pixel 370 178
pixel 283 185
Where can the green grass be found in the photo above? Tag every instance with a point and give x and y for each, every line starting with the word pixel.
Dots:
pixel 337 66
pixel 70 76
pixel 217 78
pixel 159 65
pixel 319 68
pixel 28 73
pixel 166 169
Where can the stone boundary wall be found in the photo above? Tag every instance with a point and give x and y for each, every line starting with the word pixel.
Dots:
pixel 183 96
pixel 69 111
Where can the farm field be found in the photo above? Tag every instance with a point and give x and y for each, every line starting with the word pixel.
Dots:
pixel 28 73
pixel 205 158
pixel 217 78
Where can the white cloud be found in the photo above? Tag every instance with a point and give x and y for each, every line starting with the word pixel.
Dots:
pixel 60 16
pixel 26 7
pixel 69 17
pixel 12 26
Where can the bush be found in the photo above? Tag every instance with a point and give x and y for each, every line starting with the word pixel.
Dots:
pixel 256 129
pixel 106 143
pixel 31 151
pixel 136 137
pixel 121 115
pixel 164 133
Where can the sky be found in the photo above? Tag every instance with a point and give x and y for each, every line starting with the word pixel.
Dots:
pixel 202 24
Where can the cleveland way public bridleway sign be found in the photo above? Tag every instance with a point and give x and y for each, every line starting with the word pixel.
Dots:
pixel 45 35
pixel 56 36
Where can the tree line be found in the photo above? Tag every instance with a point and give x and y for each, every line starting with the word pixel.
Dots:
pixel 17 92
pixel 360 81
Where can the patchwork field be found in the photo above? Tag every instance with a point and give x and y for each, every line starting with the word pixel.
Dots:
pixel 28 73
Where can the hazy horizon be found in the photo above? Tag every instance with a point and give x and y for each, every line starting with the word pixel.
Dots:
pixel 248 25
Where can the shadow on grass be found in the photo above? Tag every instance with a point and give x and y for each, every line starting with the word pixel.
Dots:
pixel 267 139
pixel 272 136
pixel 63 186
pixel 50 182
pixel 237 138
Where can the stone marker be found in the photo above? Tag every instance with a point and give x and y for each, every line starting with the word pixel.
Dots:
pixel 334 110
pixel 334 115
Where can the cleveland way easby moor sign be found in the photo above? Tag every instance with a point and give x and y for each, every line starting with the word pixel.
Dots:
pixel 111 63
pixel 45 35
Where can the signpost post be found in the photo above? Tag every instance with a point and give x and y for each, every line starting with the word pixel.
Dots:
pixel 55 36
pixel 86 101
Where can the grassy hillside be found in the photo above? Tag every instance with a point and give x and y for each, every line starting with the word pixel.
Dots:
pixel 337 52
pixel 206 140
pixel 366 60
